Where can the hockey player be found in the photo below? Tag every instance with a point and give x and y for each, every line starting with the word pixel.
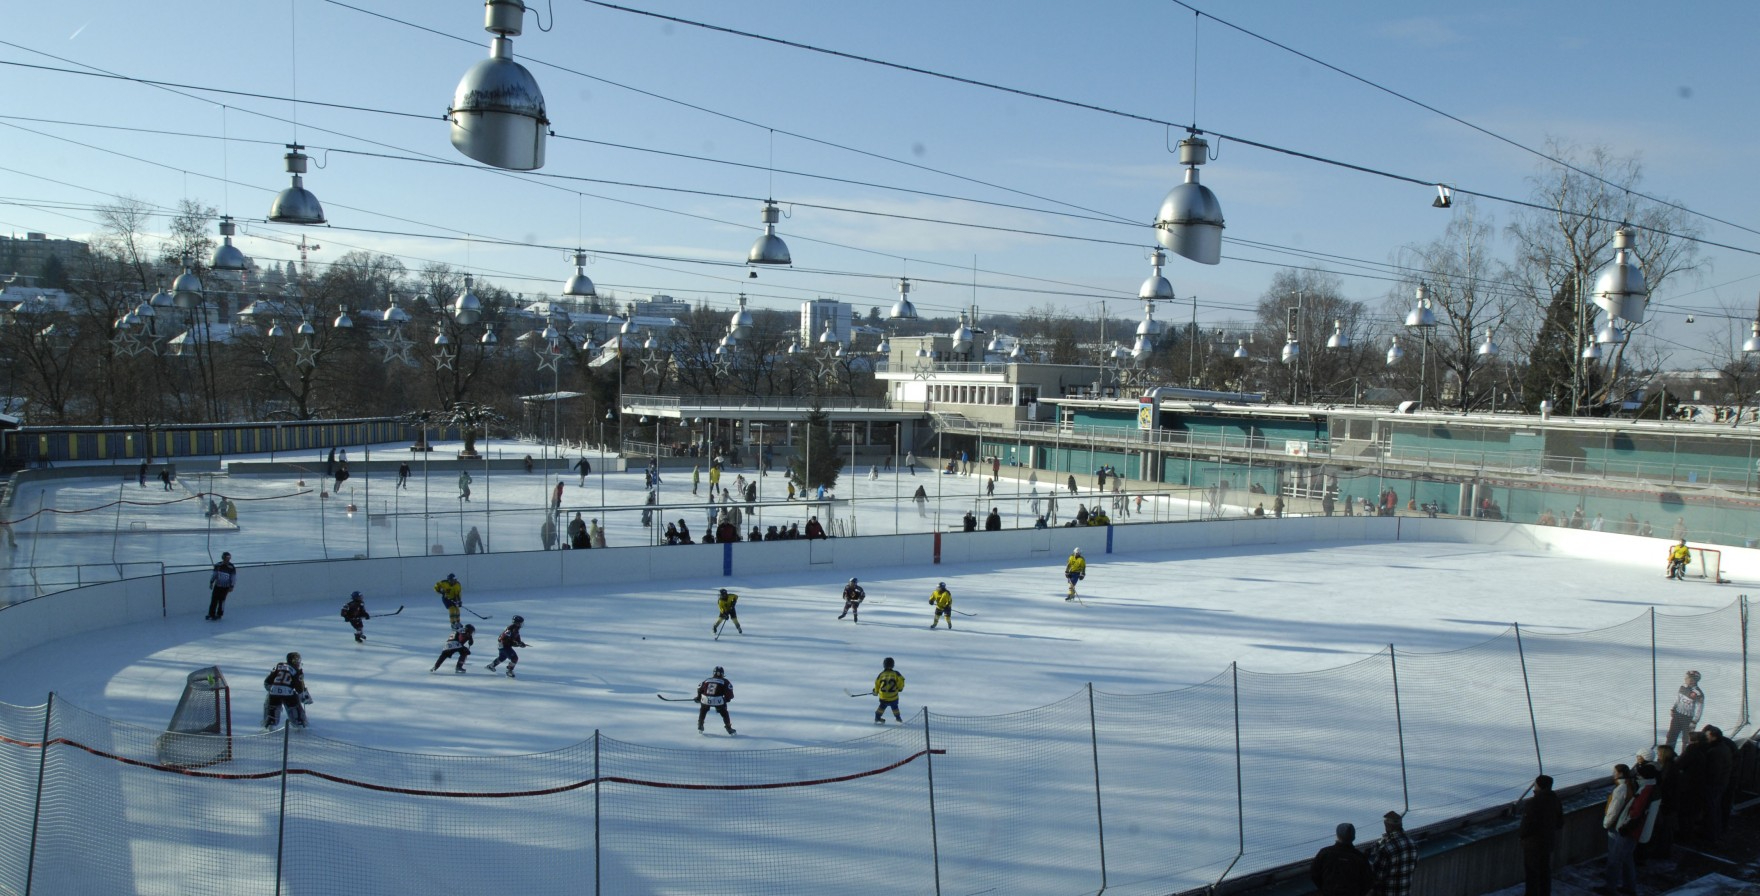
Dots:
pixel 853 595
pixel 729 613
pixel 715 691
pixel 451 593
pixel 1075 570
pixel 508 640
pixel 460 644
pixel 355 611
pixel 1677 560
pixel 942 601
pixel 887 686
pixel 286 684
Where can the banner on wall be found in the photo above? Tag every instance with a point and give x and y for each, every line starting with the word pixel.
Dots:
pixel 1145 413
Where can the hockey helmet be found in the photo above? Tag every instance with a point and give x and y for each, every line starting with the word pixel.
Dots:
pixel 719 672
pixel 452 577
pixel 1077 552
pixel 724 592
pixel 941 585
pixel 887 662
pixel 852 580
pixel 519 620
pixel 1693 674
pixel 469 628
pixel 355 596
pixel 293 658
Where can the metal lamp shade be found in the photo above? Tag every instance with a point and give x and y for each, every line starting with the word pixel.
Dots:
pixel 497 112
pixel 769 248
pixel 1190 221
pixel 1620 289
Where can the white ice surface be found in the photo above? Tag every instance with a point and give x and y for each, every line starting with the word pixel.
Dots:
pixel 1147 623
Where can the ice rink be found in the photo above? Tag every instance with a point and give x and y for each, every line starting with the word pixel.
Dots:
pixel 1300 626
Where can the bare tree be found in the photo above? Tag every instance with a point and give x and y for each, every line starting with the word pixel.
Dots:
pixel 1559 250
pixel 1470 297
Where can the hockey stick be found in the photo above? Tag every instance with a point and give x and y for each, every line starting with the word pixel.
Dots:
pixel 472 612
pixel 675 699
pixel 862 694
pixel 392 613
pixel 963 613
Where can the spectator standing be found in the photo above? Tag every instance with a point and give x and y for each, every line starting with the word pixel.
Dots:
pixel 1621 871
pixel 1340 869
pixel 1393 857
pixel 403 475
pixel 1720 758
pixel 993 522
pixel 1542 819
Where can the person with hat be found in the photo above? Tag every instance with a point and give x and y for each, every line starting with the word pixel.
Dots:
pixel 1075 571
pixel 726 603
pixel 942 600
pixel 1542 819
pixel 887 686
pixel 1393 858
pixel 355 612
pixel 508 640
pixel 1689 705
pixel 853 595
pixel 286 684
pixel 451 592
pixel 460 645
pixel 1340 869
pixel 715 691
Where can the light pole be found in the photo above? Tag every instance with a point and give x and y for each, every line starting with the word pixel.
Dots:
pixel 1423 320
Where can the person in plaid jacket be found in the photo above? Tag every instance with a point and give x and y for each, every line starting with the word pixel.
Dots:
pixel 1393 857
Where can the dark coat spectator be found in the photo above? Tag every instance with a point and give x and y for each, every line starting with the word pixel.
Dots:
pixel 1542 819
pixel 814 530
pixel 1340 869
pixel 993 522
pixel 970 522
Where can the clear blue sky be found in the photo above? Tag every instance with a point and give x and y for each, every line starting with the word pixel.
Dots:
pixel 1674 88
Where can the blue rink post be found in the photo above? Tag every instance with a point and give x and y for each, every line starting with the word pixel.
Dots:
pixel 727 559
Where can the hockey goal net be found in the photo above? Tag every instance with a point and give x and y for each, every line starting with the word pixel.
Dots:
pixel 1706 563
pixel 200 732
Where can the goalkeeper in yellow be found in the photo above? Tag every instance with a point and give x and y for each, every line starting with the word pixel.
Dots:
pixel 1677 560
pixel 887 686
pixel 942 600
pixel 725 604
pixel 1075 570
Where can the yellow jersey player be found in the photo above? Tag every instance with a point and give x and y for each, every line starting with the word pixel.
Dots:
pixel 451 593
pixel 887 686
pixel 1075 570
pixel 729 613
pixel 942 601
pixel 1677 560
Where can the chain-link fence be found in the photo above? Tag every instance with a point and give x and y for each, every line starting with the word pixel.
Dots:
pixel 1133 794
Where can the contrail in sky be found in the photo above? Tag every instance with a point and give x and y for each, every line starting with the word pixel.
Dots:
pixel 76 31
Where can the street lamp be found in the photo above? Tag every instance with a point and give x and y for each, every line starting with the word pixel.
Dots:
pixel 1423 320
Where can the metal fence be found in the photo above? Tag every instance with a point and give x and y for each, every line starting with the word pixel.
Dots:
pixel 1127 793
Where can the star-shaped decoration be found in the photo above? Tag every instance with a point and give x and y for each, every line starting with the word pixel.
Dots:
pixel 827 366
pixel 922 369
pixel 724 365
pixel 395 345
pixel 305 354
pixel 443 359
pixel 128 343
pixel 548 356
pixel 651 364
